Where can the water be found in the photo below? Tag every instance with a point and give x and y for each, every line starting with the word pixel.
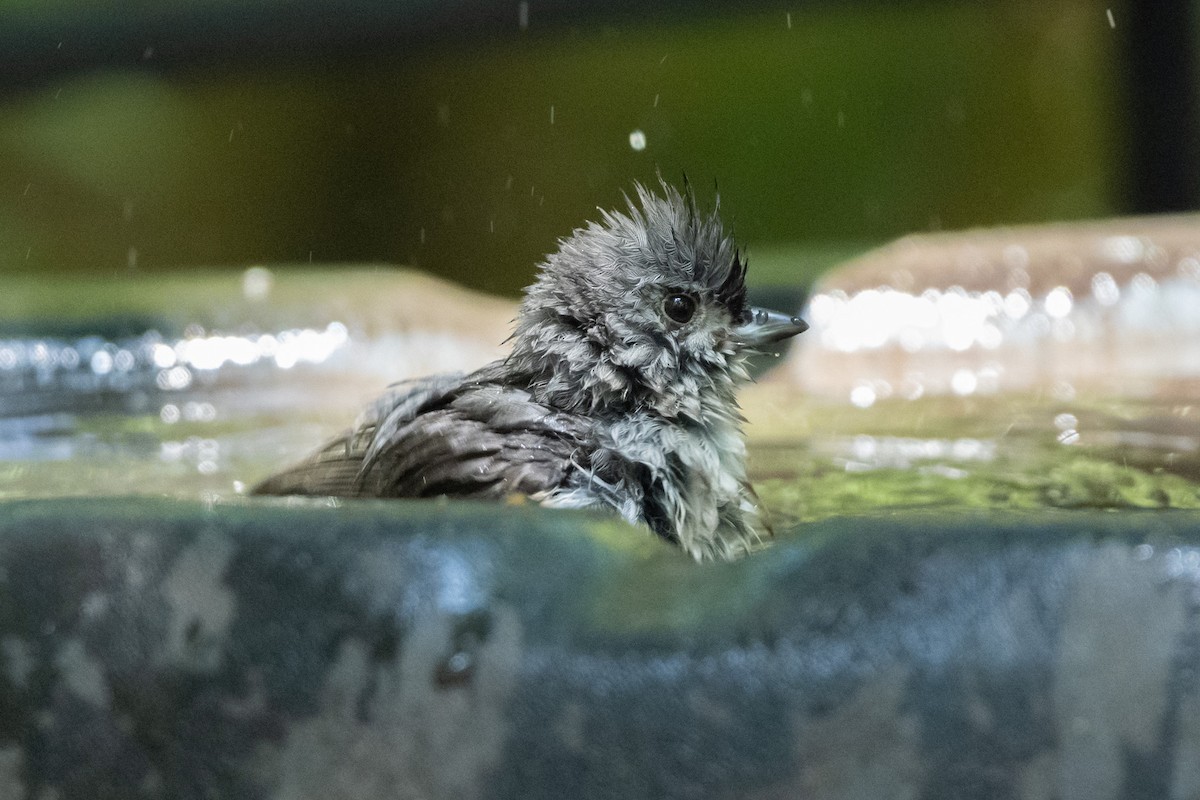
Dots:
pixel 238 373
pixel 1008 452
pixel 1052 366
pixel 203 403
pixel 79 431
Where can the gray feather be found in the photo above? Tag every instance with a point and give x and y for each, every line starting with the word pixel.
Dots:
pixel 604 402
pixel 332 470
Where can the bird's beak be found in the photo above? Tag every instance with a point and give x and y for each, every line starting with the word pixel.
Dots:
pixel 764 327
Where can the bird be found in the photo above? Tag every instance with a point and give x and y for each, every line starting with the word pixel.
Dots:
pixel 618 393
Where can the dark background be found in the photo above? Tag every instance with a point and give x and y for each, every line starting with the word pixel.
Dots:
pixel 142 137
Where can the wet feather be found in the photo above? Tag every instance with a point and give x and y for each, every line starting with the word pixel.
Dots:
pixel 605 402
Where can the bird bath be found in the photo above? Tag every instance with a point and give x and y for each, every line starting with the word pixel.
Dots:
pixel 967 596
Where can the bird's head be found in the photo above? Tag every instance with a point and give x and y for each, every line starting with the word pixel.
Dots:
pixel 645 308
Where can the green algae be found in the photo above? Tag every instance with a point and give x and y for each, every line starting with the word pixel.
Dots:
pixel 951 455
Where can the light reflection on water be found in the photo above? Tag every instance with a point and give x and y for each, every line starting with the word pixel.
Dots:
pixel 201 414
pixel 1060 307
pixel 965 343
pixel 1006 452
pixel 93 364
pixel 1016 375
pixel 214 436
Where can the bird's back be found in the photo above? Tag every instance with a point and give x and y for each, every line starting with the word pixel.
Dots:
pixel 458 435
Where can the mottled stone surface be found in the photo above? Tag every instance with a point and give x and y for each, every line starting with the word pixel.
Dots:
pixel 379 650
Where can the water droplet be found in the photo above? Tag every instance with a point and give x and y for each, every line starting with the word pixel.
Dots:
pixel 1105 289
pixel 68 358
pixel 862 396
pixel 102 362
pixel 256 283
pixel 1125 249
pixel 455 670
pixel 1058 302
pixel 458 668
pixel 1065 421
pixel 1143 282
pixel 964 382
pixel 163 355
pixel 174 379
pixel 1016 303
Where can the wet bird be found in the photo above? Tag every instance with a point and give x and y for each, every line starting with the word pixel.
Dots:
pixel 618 393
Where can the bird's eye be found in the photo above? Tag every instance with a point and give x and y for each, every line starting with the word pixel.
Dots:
pixel 679 307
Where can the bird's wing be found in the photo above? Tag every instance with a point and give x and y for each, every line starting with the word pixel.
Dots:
pixel 334 469
pixel 447 435
pixel 487 440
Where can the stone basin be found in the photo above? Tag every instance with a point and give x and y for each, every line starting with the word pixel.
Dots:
pixel 157 648
pixel 983 593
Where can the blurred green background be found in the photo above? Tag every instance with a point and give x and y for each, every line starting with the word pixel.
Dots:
pixel 466 138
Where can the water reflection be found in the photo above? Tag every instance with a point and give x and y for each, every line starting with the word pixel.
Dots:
pixel 93 400
pixel 202 413
pixel 93 364
pixel 929 372
pixel 864 452
pixel 993 333
pixel 1060 308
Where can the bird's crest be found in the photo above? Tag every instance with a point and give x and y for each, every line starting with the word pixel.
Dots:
pixel 674 225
